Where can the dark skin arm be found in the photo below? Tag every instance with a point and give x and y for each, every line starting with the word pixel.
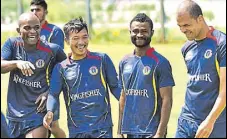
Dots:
pixel 166 95
pixel 26 67
pixel 121 110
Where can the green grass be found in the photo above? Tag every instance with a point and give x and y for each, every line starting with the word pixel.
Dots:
pixel 117 52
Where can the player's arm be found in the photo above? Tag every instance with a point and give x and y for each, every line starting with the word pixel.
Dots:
pixel 53 96
pixel 8 64
pixel 58 37
pixel 121 101
pixel 121 110
pixel 166 95
pixel 111 76
pixel 206 127
pixel 166 82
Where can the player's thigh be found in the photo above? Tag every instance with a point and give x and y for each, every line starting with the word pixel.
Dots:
pixel 55 125
pixel 186 128
pixel 39 132
pixel 219 130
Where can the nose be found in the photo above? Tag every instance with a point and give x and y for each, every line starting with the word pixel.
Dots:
pixel 139 35
pixel 183 30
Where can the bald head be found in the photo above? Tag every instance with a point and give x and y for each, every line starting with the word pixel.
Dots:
pixel 26 17
pixel 189 6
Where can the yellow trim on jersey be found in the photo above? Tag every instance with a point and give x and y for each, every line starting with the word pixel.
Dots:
pixel 47 73
pixel 217 65
pixel 50 35
pixel 155 94
pixel 69 102
pixel 102 78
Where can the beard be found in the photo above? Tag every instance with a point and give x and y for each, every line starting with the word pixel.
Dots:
pixel 147 41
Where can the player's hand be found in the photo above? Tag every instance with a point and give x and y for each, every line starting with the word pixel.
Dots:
pixel 47 120
pixel 26 67
pixel 205 129
pixel 157 136
pixel 41 101
pixel 120 136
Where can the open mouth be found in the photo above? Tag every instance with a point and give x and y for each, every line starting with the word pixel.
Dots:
pixel 81 47
pixel 32 38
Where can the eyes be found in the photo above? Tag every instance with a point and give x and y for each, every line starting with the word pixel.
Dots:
pixel 37 10
pixel 77 38
pixel 29 28
pixel 137 31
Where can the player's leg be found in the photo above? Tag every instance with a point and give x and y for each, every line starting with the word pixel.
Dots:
pixel 186 128
pixel 57 131
pixel 39 132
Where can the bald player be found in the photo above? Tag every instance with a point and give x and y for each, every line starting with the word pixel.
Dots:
pixel 30 66
pixel 204 112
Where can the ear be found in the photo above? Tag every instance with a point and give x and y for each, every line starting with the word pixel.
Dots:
pixel 200 18
pixel 67 41
pixel 46 12
pixel 18 30
pixel 152 33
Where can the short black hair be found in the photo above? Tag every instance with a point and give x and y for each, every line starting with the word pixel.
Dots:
pixel 142 17
pixel 76 24
pixel 39 2
pixel 194 9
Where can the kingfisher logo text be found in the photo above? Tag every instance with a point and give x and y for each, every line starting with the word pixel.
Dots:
pixel 202 77
pixel 86 94
pixel 135 92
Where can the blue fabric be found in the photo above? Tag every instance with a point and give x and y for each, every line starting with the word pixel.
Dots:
pixel 85 86
pixel 141 78
pixel 201 58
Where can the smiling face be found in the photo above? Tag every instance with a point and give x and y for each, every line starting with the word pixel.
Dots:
pixel 141 33
pixel 29 29
pixel 190 26
pixel 78 42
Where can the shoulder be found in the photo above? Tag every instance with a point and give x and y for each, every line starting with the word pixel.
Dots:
pixel 161 59
pixel 187 46
pixel 96 55
pixel 126 57
pixel 54 27
pixel 219 37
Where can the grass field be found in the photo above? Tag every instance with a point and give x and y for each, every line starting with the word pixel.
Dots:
pixel 117 52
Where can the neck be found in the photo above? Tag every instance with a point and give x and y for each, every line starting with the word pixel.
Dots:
pixel 203 33
pixel 141 51
pixel 78 57
pixel 29 47
pixel 42 22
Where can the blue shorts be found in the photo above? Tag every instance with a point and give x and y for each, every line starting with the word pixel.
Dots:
pixel 141 136
pixel 21 128
pixel 101 133
pixel 188 129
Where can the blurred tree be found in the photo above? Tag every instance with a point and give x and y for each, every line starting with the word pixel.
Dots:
pixel 209 15
pixel 163 17
pixel 20 8
pixel 89 17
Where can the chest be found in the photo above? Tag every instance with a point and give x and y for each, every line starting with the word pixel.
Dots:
pixel 142 69
pixel 201 58
pixel 40 59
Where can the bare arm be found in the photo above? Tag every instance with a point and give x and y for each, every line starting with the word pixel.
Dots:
pixel 207 125
pixel 26 67
pixel 121 110
pixel 7 66
pixel 166 95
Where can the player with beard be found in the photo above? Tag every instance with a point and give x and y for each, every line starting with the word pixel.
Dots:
pixel 49 32
pixel 146 80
